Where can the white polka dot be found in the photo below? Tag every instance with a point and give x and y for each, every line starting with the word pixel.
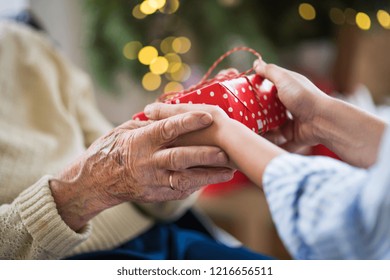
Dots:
pixel 177 101
pixel 245 103
pixel 282 115
pixel 253 115
pixel 246 117
pixel 265 97
pixel 252 102
pixel 236 91
pixel 190 102
pixel 259 113
pixel 225 96
pixel 264 122
pixel 253 129
pixel 243 89
pixel 276 104
pixel 270 120
pixel 265 111
pixel 235 99
pixel 198 92
pixel 230 109
pixel 269 106
pixel 276 118
pixel 257 85
pixel 211 93
pixel 250 88
pixel 241 113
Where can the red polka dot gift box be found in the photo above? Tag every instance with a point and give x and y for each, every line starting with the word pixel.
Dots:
pixel 249 99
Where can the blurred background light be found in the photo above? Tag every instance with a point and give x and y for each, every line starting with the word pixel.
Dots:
pixel 151 81
pixel 363 21
pixel 337 16
pixel 156 4
pixel 137 12
pixel 181 44
pixel 131 49
pixel 166 44
pixel 182 74
pixel 173 87
pixel 147 54
pixel 170 7
pixel 383 18
pixel 307 11
pixel 146 8
pixel 350 16
pixel 159 65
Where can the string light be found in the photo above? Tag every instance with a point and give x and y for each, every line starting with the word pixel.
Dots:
pixel 307 11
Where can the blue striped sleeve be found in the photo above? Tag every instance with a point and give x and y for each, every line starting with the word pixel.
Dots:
pixel 326 209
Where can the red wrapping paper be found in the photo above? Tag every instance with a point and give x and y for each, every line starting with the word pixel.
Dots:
pixel 251 100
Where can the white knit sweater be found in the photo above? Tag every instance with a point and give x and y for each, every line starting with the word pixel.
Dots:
pixel 47 118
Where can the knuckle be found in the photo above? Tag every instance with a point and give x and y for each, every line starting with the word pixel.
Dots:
pixel 172 159
pixel 184 182
pixel 168 130
pixel 156 112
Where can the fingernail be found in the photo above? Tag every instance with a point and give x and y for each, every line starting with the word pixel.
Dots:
pixel 148 110
pixel 206 119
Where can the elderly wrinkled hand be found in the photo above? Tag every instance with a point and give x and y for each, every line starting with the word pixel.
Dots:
pixel 138 161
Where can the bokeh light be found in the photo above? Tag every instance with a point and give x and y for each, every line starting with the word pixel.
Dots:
pixel 383 18
pixel 363 21
pixel 174 62
pixel 147 54
pixel 131 49
pixel 137 12
pixel 350 16
pixel 151 81
pixel 173 87
pixel 181 44
pixel 182 74
pixel 337 16
pixel 146 8
pixel 307 11
pixel 156 4
pixel 159 65
pixel 170 7
pixel 230 3
pixel 166 44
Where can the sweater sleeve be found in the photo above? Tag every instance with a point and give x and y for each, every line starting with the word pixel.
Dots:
pixel 326 209
pixel 31 228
